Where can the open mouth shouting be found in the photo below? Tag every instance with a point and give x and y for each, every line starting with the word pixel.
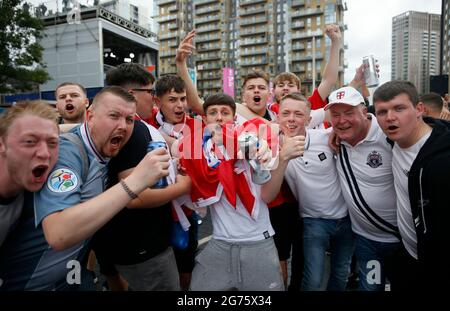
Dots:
pixel 391 129
pixel 256 99
pixel 70 108
pixel 116 141
pixel 40 173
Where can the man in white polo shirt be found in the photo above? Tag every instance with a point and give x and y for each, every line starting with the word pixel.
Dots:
pixel 365 172
pixel 326 224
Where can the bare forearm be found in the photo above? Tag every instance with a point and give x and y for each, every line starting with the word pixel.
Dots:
pixel 71 226
pixel 271 189
pixel 193 100
pixel 157 197
pixel 330 72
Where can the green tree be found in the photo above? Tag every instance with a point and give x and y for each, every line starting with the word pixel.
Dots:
pixel 21 63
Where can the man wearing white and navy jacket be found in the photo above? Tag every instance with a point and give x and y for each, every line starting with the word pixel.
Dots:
pixel 365 172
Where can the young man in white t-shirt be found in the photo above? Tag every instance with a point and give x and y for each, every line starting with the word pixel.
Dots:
pixel 241 254
pixel 314 180
pixel 421 167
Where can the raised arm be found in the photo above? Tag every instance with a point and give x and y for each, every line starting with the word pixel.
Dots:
pixel 185 49
pixel 330 73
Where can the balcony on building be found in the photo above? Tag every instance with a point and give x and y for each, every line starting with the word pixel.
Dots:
pixel 173 9
pixel 206 38
pixel 163 2
pixel 301 58
pixel 307 34
pixel 252 42
pixel 251 62
pixel 207 19
pixel 208 47
pixel 211 27
pixel 208 56
pixel 253 52
pixel 341 5
pixel 166 18
pixel 168 36
pixel 169 53
pixel 202 2
pixel 209 9
pixel 343 26
pixel 251 11
pixel 307 12
pixel 297 3
pixel 253 21
pixel 251 31
pixel 208 66
pixel 250 2
pixel 297 46
pixel 298 24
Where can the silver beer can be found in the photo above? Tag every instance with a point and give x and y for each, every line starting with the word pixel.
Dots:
pixel 248 145
pixel 370 73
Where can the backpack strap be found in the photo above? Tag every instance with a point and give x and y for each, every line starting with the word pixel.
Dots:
pixel 76 140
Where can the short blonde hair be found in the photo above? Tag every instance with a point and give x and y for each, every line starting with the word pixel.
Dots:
pixel 36 108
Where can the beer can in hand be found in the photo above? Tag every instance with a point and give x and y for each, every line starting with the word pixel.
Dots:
pixel 162 183
pixel 370 73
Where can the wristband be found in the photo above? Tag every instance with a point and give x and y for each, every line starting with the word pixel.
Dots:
pixel 130 193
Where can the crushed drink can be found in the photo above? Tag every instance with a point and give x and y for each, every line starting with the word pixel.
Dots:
pixel 162 183
pixel 370 73
pixel 248 145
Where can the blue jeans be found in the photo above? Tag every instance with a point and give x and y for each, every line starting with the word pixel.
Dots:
pixel 374 260
pixel 320 235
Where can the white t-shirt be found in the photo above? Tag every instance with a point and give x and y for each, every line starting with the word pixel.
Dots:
pixel 314 180
pixel 235 224
pixel 365 173
pixel 9 213
pixel 402 161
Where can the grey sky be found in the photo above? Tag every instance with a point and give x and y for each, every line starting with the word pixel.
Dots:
pixel 370 27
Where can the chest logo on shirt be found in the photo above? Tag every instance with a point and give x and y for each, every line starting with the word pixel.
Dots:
pixel 322 156
pixel 374 159
pixel 62 180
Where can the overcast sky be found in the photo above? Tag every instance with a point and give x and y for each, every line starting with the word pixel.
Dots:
pixel 369 30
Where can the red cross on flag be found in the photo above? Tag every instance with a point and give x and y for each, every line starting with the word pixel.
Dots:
pixel 340 95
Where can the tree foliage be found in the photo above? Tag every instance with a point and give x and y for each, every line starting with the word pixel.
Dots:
pixel 21 63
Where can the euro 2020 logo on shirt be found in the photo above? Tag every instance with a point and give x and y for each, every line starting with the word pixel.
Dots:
pixel 62 180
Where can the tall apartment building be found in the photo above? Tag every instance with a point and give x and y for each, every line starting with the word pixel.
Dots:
pixel 416 48
pixel 271 35
pixel 445 39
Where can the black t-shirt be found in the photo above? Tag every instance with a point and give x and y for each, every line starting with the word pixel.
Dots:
pixel 133 235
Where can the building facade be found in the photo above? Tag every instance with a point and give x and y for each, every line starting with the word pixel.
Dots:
pixel 445 39
pixel 416 48
pixel 242 35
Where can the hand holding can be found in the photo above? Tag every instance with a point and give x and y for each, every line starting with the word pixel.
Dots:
pixel 162 183
pixel 370 73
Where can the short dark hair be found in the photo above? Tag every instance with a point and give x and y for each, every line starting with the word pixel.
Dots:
pixel 129 75
pixel 255 74
pixel 296 96
pixel 167 83
pixel 115 90
pixel 391 89
pixel 82 88
pixel 219 99
pixel 432 100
